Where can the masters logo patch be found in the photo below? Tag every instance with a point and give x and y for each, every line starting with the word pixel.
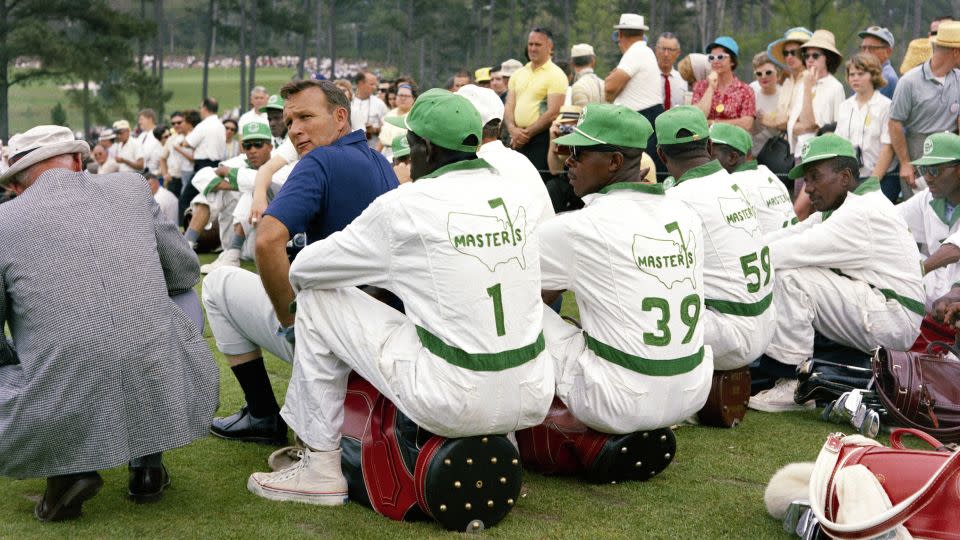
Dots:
pixel 927 147
pixel 492 239
pixel 670 260
pixel 739 213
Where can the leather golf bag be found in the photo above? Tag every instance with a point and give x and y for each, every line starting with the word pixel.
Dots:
pixel 563 445
pixel 406 473
pixel 727 402
pixel 923 486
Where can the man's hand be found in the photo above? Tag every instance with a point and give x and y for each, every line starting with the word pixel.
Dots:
pixel 520 139
pixel 402 170
pixel 222 171
pixel 907 174
pixel 809 77
pixel 943 305
pixel 257 208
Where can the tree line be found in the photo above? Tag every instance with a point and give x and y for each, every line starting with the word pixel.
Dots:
pixel 104 43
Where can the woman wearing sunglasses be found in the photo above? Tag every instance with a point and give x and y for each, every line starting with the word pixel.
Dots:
pixel 766 92
pixel 723 97
pixel 818 97
pixel 233 141
pixel 863 118
pixel 785 53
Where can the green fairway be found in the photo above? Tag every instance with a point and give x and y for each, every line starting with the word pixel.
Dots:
pixel 30 105
pixel 713 489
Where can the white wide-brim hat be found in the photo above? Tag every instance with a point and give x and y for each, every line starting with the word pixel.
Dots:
pixel 485 100
pixel 631 21
pixel 38 144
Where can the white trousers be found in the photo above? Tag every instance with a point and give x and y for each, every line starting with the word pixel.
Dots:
pixel 613 399
pixel 240 313
pixel 222 205
pixel 736 341
pixel 845 310
pixel 340 330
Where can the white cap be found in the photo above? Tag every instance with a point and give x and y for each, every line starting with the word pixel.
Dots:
pixel 121 124
pixel 107 135
pixel 38 144
pixel 631 21
pixel 511 66
pixel 485 100
pixel 581 49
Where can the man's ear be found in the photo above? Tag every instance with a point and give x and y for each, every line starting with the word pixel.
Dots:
pixel 661 155
pixel 616 162
pixel 342 115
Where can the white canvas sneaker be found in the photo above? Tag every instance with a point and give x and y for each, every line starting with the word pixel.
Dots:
pixel 229 257
pixel 315 479
pixel 779 398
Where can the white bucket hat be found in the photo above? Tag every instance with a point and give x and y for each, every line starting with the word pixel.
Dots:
pixel 38 144
pixel 631 21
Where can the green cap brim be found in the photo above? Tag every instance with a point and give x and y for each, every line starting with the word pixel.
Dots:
pixel 797 171
pixel 398 121
pixel 934 160
pixel 575 139
pixel 256 137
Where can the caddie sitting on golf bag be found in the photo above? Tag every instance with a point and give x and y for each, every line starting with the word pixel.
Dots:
pixel 851 271
pixel 767 194
pixel 635 261
pixel 219 193
pixel 459 247
pixel 737 276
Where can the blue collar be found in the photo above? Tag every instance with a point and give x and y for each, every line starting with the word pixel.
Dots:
pixel 354 137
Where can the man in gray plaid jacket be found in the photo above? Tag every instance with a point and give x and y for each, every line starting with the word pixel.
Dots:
pixel 109 369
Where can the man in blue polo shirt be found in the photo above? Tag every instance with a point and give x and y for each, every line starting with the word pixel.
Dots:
pixel 337 177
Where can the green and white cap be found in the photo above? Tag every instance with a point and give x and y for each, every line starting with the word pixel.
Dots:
pixel 254 130
pixel 685 117
pixel 445 119
pixel 616 125
pixel 733 136
pixel 400 147
pixel 826 146
pixel 273 102
pixel 939 148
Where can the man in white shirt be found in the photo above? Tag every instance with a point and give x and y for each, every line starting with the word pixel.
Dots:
pixel 367 110
pixel 931 214
pixel 208 140
pixel 150 147
pixel 850 271
pixel 105 163
pixel 631 83
pixel 767 194
pixel 165 199
pixel 129 153
pixel 492 149
pixel 738 279
pixel 674 87
pixel 586 87
pixel 258 99
pixel 634 259
pixel 106 140
pixel 459 246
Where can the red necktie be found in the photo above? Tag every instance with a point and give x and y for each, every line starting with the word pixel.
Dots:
pixel 666 91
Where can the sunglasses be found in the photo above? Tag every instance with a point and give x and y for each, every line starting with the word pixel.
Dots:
pixel 766 73
pixel 253 144
pixel 791 52
pixel 579 152
pixel 814 55
pixel 933 171
pixel 717 57
pixel 868 48
pixel 177 123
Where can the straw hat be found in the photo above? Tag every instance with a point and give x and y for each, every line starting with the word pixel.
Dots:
pixel 793 35
pixel 918 52
pixel 948 35
pixel 38 144
pixel 823 39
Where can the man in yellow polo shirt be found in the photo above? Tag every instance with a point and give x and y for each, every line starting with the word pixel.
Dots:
pixel 535 95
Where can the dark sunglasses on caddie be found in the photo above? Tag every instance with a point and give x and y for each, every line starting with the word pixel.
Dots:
pixel 933 171
pixel 766 73
pixel 253 144
pixel 579 152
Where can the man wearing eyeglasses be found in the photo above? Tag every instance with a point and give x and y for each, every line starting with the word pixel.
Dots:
pixel 931 214
pixel 674 87
pixel 878 41
pixel 219 193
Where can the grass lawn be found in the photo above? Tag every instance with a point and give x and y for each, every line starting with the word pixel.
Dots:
pixel 713 489
pixel 31 105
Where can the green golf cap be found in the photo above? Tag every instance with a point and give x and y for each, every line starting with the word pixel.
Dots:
pixel 939 148
pixel 253 131
pixel 445 119
pixel 733 136
pixel 273 102
pixel 400 147
pixel 615 125
pixel 827 146
pixel 671 123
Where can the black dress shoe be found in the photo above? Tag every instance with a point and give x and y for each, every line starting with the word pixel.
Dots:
pixel 64 495
pixel 243 426
pixel 147 483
